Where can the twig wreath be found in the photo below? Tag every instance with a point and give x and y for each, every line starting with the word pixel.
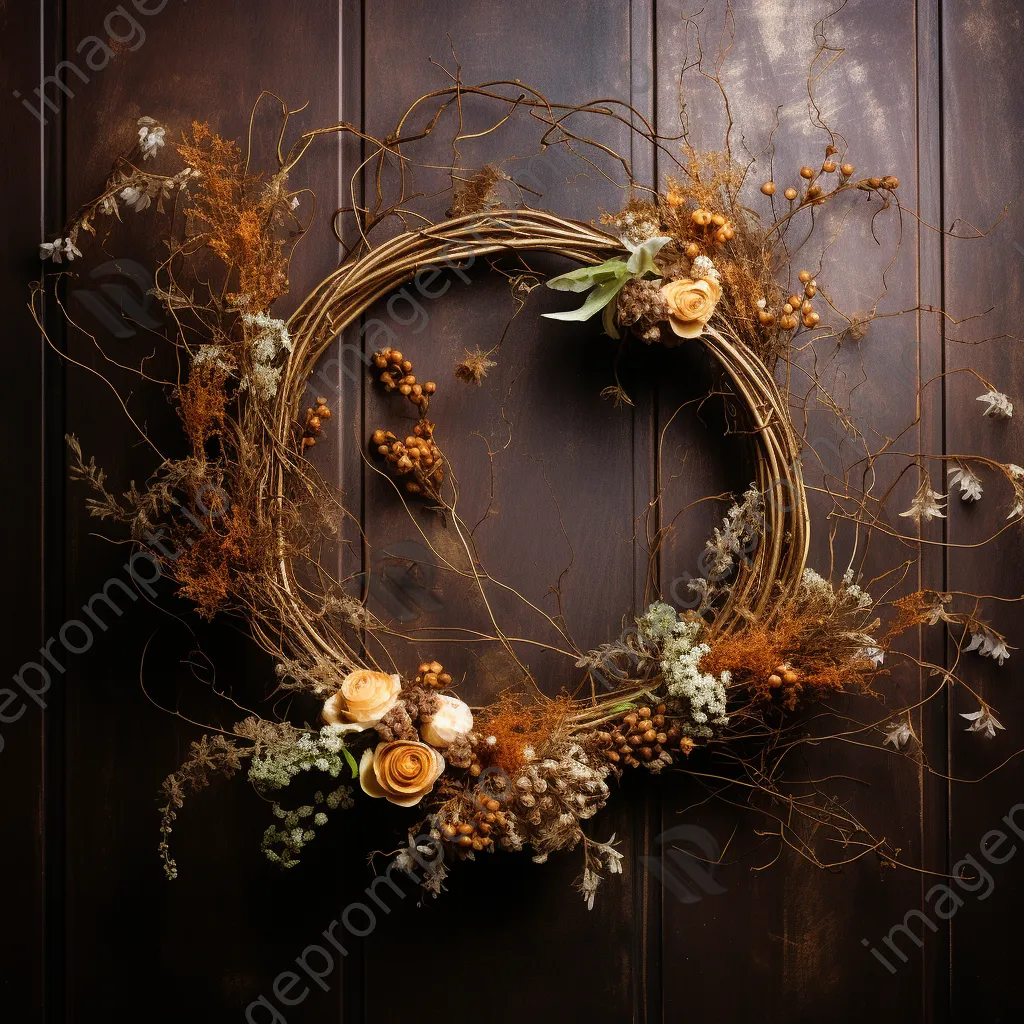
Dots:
pixel 245 508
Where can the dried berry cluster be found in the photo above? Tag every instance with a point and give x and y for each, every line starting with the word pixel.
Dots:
pixel 432 673
pixel 710 228
pixel 470 826
pixel 786 681
pixel 813 190
pixel 314 422
pixel 795 305
pixel 799 306
pixel 642 737
pixel 396 375
pixel 417 457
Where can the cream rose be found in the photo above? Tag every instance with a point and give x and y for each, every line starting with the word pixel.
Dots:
pixel 364 698
pixel 690 304
pixel 402 772
pixel 451 720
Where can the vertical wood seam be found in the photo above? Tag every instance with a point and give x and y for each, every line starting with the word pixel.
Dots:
pixel 933 568
pixel 54 205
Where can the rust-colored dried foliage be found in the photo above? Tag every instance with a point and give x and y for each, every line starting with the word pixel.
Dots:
pixel 913 610
pixel 238 210
pixel 516 725
pixel 754 654
pixel 206 566
pixel 202 400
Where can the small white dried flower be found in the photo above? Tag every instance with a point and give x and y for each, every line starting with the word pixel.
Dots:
pixel 998 404
pixel 612 858
pixel 969 481
pixel 938 611
pixel 926 503
pixel 899 734
pixel 873 654
pixel 1016 476
pixel 989 644
pixel 151 137
pixel 137 199
pixel 703 267
pixel 51 250
pixel 71 250
pixel 982 721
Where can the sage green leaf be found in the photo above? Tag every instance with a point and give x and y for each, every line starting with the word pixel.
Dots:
pixel 626 705
pixel 595 301
pixel 588 277
pixel 351 761
pixel 608 319
pixel 641 260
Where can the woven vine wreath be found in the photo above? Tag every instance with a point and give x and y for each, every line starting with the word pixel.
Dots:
pixel 628 724
pixel 773 575
pixel 244 514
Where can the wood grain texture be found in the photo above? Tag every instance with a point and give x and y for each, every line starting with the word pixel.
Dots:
pixel 571 477
pixel 22 856
pixel 810 922
pixel 134 942
pixel 560 514
pixel 982 172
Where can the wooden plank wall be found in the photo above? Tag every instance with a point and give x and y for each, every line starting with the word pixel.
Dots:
pixel 929 91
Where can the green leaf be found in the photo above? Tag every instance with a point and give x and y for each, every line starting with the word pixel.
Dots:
pixel 595 301
pixel 351 761
pixel 588 277
pixel 641 260
pixel 608 319
pixel 625 705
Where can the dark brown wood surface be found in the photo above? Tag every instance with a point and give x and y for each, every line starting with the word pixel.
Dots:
pixel 929 91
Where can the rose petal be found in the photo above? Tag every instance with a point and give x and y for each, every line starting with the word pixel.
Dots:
pixel 367 777
pixel 693 329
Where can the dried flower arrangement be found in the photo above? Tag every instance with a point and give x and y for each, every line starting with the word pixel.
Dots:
pixel 245 508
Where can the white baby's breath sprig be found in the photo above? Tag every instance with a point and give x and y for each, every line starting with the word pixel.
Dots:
pixel 702 267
